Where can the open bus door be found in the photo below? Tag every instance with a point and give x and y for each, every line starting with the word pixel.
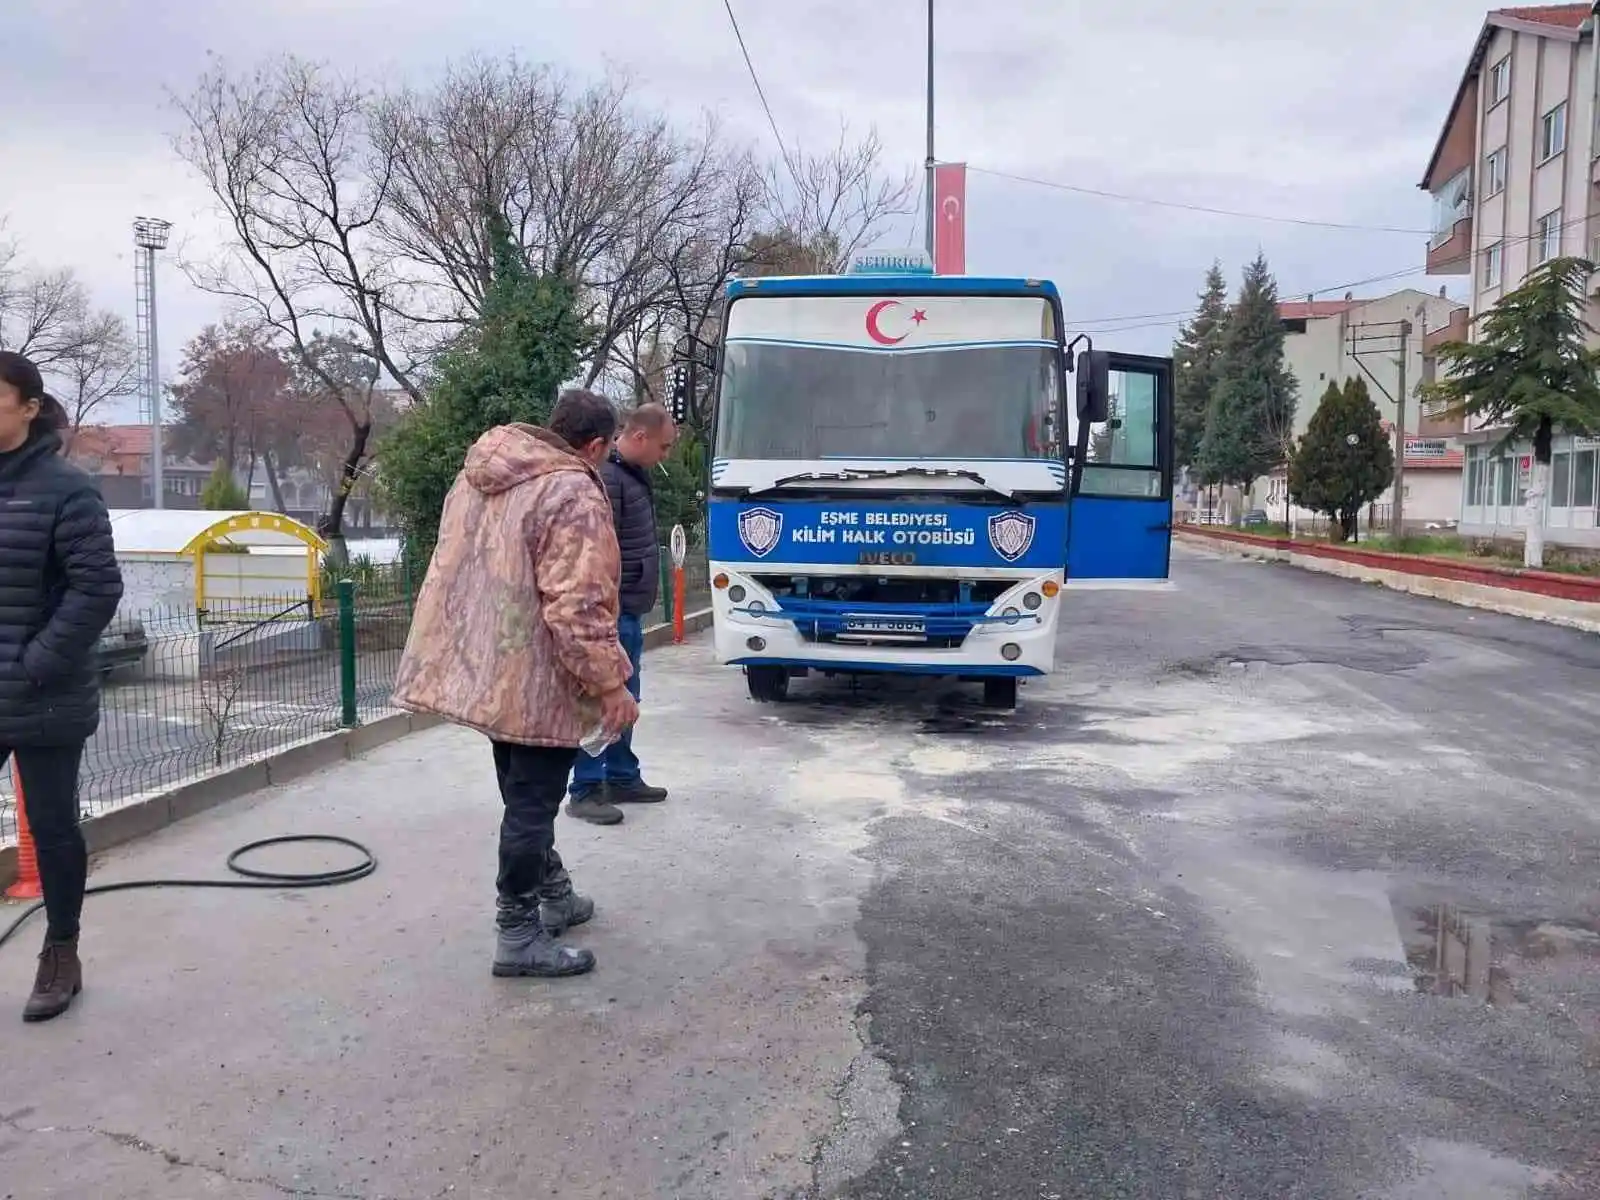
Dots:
pixel 1119 521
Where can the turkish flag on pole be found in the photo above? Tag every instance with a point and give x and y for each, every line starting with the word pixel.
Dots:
pixel 950 219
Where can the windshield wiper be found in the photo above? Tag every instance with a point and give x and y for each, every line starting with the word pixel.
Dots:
pixel 881 473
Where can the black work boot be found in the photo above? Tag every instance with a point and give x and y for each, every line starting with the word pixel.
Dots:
pixel 635 792
pixel 560 907
pixel 60 978
pixel 593 807
pixel 524 946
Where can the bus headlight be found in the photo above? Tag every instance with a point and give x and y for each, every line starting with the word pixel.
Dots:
pixel 1030 602
pixel 1011 615
pixel 737 594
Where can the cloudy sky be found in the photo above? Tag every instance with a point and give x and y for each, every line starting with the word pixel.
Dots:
pixel 1323 113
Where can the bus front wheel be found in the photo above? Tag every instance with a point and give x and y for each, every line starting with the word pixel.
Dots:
pixel 768 685
pixel 1000 692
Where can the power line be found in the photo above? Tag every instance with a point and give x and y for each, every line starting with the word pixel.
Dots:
pixel 760 92
pixel 1179 316
pixel 1127 198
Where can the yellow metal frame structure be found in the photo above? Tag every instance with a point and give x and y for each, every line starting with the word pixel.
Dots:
pixel 255 522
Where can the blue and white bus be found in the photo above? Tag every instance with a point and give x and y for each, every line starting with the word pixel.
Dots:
pixel 899 483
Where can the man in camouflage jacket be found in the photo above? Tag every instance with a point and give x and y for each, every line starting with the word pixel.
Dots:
pixel 515 635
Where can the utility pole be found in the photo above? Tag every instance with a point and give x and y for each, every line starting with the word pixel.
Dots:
pixel 930 163
pixel 1400 440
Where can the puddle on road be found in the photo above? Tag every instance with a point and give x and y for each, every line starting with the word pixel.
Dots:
pixel 1457 953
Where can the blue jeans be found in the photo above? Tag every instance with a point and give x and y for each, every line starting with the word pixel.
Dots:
pixel 618 764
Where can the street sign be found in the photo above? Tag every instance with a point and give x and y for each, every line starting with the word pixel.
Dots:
pixel 890 262
pixel 680 546
pixel 1427 447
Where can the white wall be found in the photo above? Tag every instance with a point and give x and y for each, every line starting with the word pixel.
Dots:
pixel 154 586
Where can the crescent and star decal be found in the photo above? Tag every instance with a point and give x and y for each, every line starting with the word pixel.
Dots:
pixel 875 331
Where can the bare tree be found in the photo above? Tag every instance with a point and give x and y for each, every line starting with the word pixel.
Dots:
pixel 288 153
pixel 104 365
pixel 839 201
pixel 219 689
pixel 594 189
pixel 48 316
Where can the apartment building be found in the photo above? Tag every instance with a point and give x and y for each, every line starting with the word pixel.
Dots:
pixel 118 456
pixel 1513 178
pixel 1332 341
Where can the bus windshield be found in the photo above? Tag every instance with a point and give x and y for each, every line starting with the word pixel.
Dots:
pixel 795 401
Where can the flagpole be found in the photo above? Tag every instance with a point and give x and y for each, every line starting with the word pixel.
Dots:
pixel 930 162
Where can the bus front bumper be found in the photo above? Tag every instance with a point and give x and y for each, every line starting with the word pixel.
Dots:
pixel 1020 646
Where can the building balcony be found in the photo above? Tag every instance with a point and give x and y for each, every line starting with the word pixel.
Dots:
pixel 1450 252
pixel 1455 330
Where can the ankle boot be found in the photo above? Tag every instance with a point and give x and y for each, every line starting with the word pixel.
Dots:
pixel 59 979
pixel 524 947
pixel 560 907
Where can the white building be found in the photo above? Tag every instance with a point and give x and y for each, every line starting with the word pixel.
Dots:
pixel 1513 177
pixel 1333 341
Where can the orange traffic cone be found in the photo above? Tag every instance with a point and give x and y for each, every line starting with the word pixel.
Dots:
pixel 27 886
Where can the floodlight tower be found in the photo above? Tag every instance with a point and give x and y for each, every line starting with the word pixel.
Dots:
pixel 149 235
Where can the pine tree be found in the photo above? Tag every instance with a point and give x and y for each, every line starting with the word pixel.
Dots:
pixel 1195 356
pixel 222 492
pixel 1254 393
pixel 1530 371
pixel 1346 458
pixel 507 369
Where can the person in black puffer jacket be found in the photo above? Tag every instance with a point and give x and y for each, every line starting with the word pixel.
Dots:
pixel 59 588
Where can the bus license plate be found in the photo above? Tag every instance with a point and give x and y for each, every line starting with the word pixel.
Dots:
pixel 901 626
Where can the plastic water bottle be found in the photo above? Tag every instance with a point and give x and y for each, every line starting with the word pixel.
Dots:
pixel 596 740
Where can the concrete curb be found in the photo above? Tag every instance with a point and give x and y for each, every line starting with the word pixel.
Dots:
pixel 1554 610
pixel 147 812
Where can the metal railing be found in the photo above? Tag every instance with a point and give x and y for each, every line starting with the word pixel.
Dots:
pixel 185 693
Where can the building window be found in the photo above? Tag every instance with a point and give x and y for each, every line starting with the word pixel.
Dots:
pixel 1553 135
pixel 1583 479
pixel 1494 173
pixel 1560 480
pixel 1500 81
pixel 1451 203
pixel 1549 240
pixel 1492 265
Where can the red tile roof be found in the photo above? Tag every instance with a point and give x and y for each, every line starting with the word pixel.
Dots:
pixel 1566 16
pixel 1301 310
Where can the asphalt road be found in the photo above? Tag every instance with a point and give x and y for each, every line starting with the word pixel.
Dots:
pixel 1283 888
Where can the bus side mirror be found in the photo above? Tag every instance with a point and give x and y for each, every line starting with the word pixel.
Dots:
pixel 1094 385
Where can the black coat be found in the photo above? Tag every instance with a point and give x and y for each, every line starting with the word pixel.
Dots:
pixel 59 589
pixel 633 509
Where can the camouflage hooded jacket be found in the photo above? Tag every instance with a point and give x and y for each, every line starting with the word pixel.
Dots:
pixel 515 631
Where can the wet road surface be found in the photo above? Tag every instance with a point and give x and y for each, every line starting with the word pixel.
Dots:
pixel 1284 887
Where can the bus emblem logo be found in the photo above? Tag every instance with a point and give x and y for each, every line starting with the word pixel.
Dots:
pixel 1011 533
pixel 759 530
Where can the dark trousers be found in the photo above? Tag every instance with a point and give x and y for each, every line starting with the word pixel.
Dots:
pixel 50 794
pixel 533 782
pixel 617 762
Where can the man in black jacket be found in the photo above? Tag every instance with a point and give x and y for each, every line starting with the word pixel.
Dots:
pixel 600 784
pixel 59 589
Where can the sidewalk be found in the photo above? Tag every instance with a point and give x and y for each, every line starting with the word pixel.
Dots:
pixel 351 1042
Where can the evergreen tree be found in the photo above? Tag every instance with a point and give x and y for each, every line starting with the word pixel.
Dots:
pixel 1345 460
pixel 1531 371
pixel 222 492
pixel 1254 393
pixel 507 369
pixel 1195 356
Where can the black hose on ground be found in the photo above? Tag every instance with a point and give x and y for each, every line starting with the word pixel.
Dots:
pixel 253 878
